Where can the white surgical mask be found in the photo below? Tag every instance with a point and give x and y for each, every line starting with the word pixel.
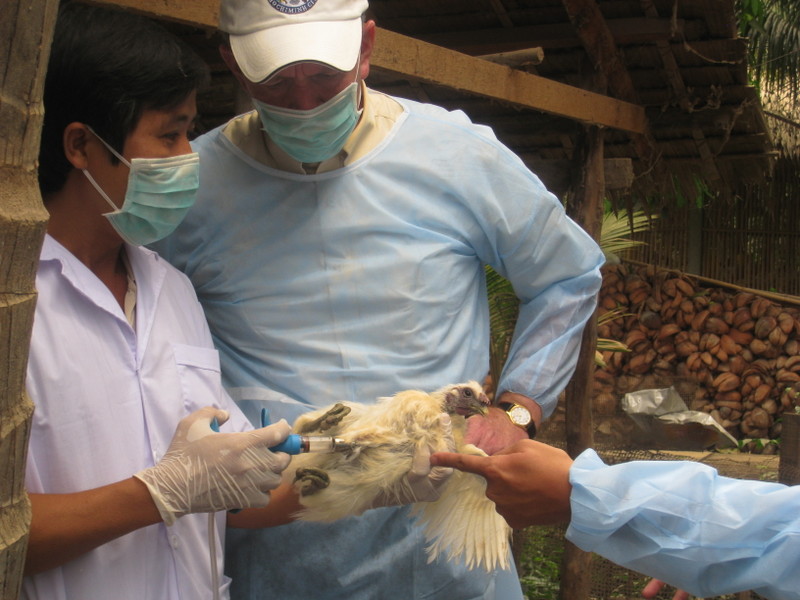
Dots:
pixel 160 193
pixel 311 136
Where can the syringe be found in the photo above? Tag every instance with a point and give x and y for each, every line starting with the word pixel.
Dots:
pixel 297 444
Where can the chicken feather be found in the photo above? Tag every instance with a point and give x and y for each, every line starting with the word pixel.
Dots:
pixel 461 524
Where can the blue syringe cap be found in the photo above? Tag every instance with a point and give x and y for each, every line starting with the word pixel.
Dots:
pixel 291 445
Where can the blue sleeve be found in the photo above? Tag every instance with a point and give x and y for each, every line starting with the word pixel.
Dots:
pixel 552 263
pixel 683 523
pixel 554 267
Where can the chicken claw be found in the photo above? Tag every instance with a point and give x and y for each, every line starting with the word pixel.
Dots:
pixel 310 481
pixel 330 419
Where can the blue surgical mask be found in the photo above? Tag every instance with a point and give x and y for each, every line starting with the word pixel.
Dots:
pixel 160 193
pixel 311 136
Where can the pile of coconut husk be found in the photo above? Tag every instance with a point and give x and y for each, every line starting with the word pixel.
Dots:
pixel 732 353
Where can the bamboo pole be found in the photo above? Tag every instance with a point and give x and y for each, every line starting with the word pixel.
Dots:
pixel 783 298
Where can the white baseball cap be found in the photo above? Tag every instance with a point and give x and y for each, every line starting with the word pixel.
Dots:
pixel 268 35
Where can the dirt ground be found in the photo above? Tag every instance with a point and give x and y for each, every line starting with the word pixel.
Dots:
pixel 737 464
pixel 619 439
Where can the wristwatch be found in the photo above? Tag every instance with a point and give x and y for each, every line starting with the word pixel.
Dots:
pixel 520 416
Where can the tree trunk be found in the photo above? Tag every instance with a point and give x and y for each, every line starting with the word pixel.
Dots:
pixel 26 28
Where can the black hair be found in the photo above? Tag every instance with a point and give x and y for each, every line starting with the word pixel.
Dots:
pixel 106 67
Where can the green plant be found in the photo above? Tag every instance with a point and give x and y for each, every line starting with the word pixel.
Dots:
pixel 773 29
pixel 605 344
pixel 617 229
pixel 540 563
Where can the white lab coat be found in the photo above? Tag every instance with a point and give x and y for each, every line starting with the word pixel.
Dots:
pixel 107 401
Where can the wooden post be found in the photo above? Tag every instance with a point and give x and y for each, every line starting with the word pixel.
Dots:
pixel 789 466
pixel 585 206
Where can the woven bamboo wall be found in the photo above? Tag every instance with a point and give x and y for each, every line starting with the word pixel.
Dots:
pixel 752 241
pixel 666 243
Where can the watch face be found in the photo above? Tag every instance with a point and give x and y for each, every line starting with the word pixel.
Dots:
pixel 520 415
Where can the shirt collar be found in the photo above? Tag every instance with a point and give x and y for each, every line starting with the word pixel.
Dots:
pixel 248 135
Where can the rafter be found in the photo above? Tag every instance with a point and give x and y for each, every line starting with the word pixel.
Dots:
pixel 680 92
pixel 598 41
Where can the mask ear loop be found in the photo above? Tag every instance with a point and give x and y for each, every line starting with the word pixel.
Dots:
pixel 110 149
pixel 100 191
pixel 358 85
pixel 92 180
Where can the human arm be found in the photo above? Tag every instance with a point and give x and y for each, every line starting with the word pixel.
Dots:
pixel 677 521
pixel 283 504
pixel 65 526
pixel 554 268
pixel 684 524
pixel 202 471
pixel 555 272
pixel 546 339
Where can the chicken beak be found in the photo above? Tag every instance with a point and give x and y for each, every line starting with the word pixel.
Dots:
pixel 481 405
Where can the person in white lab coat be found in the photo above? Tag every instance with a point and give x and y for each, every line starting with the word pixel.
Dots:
pixel 122 461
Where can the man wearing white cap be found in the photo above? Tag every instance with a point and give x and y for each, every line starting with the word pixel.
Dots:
pixel 338 247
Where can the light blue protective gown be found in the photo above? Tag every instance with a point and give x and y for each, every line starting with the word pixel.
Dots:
pixel 684 524
pixel 367 280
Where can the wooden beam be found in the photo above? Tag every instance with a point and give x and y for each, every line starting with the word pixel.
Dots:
pixel 420 61
pixel 416 60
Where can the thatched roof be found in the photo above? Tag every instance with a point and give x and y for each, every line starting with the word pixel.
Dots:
pixel 685 61
pixel 673 95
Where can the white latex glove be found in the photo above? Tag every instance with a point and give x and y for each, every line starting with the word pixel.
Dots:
pixel 205 471
pixel 423 483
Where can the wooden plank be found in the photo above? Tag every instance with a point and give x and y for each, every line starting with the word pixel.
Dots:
pixel 421 61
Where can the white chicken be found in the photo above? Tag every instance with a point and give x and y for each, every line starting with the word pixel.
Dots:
pixel 462 523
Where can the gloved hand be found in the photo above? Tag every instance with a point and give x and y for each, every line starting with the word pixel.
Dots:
pixel 206 471
pixel 423 483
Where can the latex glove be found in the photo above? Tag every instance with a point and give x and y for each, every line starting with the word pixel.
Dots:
pixel 422 482
pixel 205 471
